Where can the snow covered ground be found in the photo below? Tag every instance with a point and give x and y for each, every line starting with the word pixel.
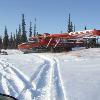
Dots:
pixel 71 75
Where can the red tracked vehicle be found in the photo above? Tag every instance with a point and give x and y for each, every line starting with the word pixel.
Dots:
pixel 58 42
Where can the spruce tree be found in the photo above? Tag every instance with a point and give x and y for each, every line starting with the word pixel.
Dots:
pixel 24 37
pixel 14 42
pixel 74 28
pixel 35 28
pixel 70 25
pixel 0 43
pixel 18 36
pixel 30 30
pixel 11 42
pixel 16 31
pixel 85 28
pixel 5 39
pixel 16 39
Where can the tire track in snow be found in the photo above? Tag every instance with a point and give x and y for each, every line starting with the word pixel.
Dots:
pixel 8 69
pixel 21 95
pixel 7 84
pixel 8 88
pixel 45 83
pixel 12 80
pixel 27 84
pixel 42 79
pixel 58 91
pixel 48 82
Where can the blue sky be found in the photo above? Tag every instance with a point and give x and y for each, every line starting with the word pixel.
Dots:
pixel 52 15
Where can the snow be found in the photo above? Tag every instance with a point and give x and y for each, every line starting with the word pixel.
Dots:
pixel 81 74
pixel 71 75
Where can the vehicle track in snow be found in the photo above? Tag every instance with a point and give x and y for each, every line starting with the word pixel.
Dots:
pixel 12 81
pixel 49 85
pixel 39 79
pixel 45 83
pixel 58 87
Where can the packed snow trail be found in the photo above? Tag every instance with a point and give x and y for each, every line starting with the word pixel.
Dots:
pixel 48 81
pixel 58 87
pixel 12 80
pixel 41 78
pixel 45 83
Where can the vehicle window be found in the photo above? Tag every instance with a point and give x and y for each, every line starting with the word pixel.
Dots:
pixel 33 40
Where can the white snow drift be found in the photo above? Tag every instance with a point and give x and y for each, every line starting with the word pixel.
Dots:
pixel 46 76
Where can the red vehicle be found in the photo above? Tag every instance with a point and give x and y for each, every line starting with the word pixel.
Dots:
pixel 57 42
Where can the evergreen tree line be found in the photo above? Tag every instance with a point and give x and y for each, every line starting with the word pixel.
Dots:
pixel 12 41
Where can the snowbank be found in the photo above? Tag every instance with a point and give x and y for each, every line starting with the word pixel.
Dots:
pixel 71 75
